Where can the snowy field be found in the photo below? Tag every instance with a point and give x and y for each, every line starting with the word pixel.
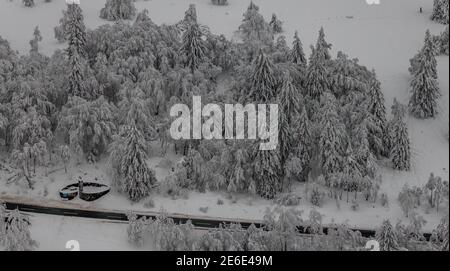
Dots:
pixel 383 37
pixel 53 232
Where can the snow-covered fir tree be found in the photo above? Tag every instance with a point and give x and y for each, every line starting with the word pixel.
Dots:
pixel 425 89
pixel 304 143
pixel 267 169
pixel 332 137
pixel 193 47
pixel 118 10
pixel 387 237
pixel 34 43
pixel 254 28
pixel 76 37
pixel 377 108
pixel 128 159
pixel 316 82
pixel 400 144
pixel 290 99
pixel 275 24
pixel 322 46
pixel 263 81
pixel 440 11
pixel 17 236
pixel 297 55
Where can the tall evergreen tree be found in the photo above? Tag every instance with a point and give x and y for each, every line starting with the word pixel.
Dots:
pixel 425 89
pixel 400 144
pixel 304 144
pixel 118 10
pixel 263 81
pixel 377 108
pixel 297 55
pixel 76 32
pixel 316 82
pixel 322 46
pixel 129 159
pixel 387 237
pixel 193 47
pixel 290 99
pixel 266 172
pixel 34 43
pixel 332 137
pixel 275 24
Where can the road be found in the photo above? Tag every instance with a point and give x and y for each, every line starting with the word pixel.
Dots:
pixel 198 222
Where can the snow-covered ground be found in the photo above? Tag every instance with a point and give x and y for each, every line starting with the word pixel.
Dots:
pixel 53 232
pixel 383 37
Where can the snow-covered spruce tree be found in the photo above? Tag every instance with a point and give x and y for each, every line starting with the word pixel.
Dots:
pixel 263 81
pixel 34 43
pixel 444 41
pixel 254 29
pixel 193 48
pixel 332 137
pixel 16 231
pixel 115 10
pixel 76 30
pixel 267 172
pixel 387 237
pixel 440 11
pixel 400 145
pixel 316 82
pixel 28 3
pixel 304 144
pixel 128 160
pixel 425 89
pixel 297 55
pixel 76 37
pixel 190 16
pixel 220 2
pixel 276 25
pixel 377 108
pixel 322 46
pixel 290 99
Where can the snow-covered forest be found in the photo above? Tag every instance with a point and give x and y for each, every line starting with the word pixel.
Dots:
pixel 363 122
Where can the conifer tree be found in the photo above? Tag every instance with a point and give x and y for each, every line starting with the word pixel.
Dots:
pixel 332 137
pixel 254 28
pixel 118 10
pixel 275 24
pixel 34 43
pixel 377 108
pixel 400 144
pixel 323 47
pixel 304 144
pixel 263 82
pixel 290 99
pixel 266 172
pixel 129 160
pixel 193 48
pixel 297 55
pixel 387 237
pixel 425 89
pixel 316 82
pixel 76 37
